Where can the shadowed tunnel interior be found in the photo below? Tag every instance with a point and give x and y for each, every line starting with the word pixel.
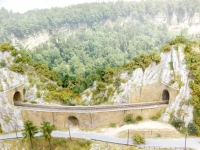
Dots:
pixel 73 121
pixel 17 97
pixel 165 95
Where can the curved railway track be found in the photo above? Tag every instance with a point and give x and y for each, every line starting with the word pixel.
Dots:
pixel 89 108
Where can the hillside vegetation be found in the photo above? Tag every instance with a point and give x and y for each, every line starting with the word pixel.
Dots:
pixel 87 37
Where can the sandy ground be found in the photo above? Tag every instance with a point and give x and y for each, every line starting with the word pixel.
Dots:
pixel 145 125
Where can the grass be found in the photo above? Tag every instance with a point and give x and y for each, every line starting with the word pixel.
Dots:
pixel 57 144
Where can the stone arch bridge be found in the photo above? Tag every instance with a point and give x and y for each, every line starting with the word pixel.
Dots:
pixel 86 117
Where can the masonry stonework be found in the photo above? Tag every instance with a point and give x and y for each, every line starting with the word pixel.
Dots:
pixel 87 120
pixel 11 92
pixel 152 92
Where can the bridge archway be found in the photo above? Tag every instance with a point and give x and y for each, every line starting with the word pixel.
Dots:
pixel 73 121
pixel 165 96
pixel 17 97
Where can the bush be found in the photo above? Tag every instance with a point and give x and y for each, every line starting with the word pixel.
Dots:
pixel 139 118
pixel 177 123
pixel 1 131
pixel 138 138
pixel 17 68
pixel 166 48
pixel 25 101
pixel 113 125
pixel 38 94
pixel 2 64
pixel 129 119
pixel 69 101
pixel 33 102
pixel 192 129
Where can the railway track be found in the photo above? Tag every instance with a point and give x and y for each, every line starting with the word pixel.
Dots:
pixel 89 108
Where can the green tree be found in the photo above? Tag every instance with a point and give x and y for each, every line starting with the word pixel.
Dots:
pixel 192 129
pixel 29 131
pixel 46 129
pixel 138 138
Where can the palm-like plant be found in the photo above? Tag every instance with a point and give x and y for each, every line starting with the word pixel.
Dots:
pixel 29 131
pixel 46 129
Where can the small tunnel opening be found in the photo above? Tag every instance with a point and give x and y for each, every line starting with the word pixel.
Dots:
pixel 73 121
pixel 17 97
pixel 165 96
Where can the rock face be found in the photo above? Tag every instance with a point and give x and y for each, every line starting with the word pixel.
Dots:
pixel 178 22
pixel 171 71
pixel 10 117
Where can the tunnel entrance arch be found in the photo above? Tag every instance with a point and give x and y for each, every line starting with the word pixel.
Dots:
pixel 165 96
pixel 73 121
pixel 17 97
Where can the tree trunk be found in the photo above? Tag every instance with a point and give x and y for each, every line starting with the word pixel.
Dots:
pixel 49 143
pixel 31 143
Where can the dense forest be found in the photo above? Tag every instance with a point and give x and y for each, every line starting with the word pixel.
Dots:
pixel 98 34
pixel 36 20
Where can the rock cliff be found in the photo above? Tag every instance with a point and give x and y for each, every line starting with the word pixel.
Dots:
pixel 172 72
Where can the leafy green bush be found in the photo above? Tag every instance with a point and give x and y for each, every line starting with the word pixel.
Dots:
pixel 69 101
pixel 25 101
pixel 17 68
pixel 129 119
pixel 166 48
pixel 1 131
pixel 139 118
pixel 138 138
pixel 33 102
pixel 2 64
pixel 179 39
pixel 51 86
pixel 177 123
pixel 38 94
pixel 192 129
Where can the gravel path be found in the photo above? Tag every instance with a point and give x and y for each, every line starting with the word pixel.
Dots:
pixel 145 125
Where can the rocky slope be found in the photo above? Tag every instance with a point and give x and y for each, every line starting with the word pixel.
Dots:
pixel 170 72
pixel 164 74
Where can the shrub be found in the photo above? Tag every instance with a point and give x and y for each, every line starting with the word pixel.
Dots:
pixel 129 119
pixel 1 131
pixel 177 123
pixel 138 138
pixel 113 125
pixel 2 64
pixel 51 86
pixel 192 129
pixel 25 101
pixel 69 101
pixel 33 102
pixel 166 48
pixel 38 94
pixel 1 88
pixel 17 68
pixel 139 118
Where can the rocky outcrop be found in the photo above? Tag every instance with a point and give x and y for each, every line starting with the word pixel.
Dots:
pixel 10 116
pixel 177 22
pixel 171 71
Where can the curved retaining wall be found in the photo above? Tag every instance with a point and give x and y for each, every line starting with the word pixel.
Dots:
pixel 88 120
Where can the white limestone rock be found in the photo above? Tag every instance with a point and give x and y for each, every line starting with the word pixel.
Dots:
pixel 10 116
